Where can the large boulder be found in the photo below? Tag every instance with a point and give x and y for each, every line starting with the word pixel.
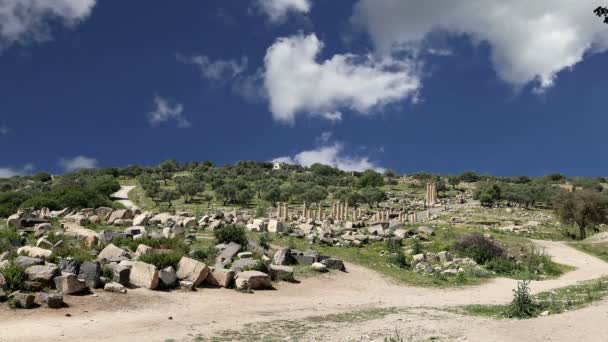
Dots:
pixel 103 212
pixel 70 266
pixel 190 222
pixel 42 273
pixel 25 261
pixel 14 221
pixel 167 277
pixel 135 230
pixel 162 218
pixel 275 226
pixel 112 253
pixel 90 272
pixel 121 274
pixel 228 252
pixel 41 229
pixel 426 230
pixel 35 252
pixel 142 219
pixel 334 264
pixel 143 250
pixel 241 264
pixel 283 257
pixel 144 275
pixel 120 214
pixel 53 300
pixel 220 277
pixel 115 287
pixel 68 283
pixel 278 272
pixel 192 270
pixel 22 300
pixel 252 280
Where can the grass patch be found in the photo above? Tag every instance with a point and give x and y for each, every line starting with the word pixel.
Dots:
pixel 599 249
pixel 555 301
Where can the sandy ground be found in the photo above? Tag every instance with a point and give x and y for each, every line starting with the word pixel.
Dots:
pixel 145 315
pixel 122 196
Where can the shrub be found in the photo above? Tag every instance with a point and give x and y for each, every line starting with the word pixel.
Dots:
pixel 206 254
pixel 265 240
pixel 396 255
pixel 478 247
pixel 14 275
pixel 417 246
pixel 162 260
pixel 523 305
pixel 231 233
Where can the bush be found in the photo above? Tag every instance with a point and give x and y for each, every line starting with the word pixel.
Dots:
pixel 231 233
pixel 14 275
pixel 478 247
pixel 397 256
pixel 523 305
pixel 417 246
pixel 265 239
pixel 162 260
pixel 206 254
pixel 6 235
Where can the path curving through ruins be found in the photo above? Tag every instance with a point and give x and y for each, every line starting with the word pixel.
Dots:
pixel 143 314
pixel 122 196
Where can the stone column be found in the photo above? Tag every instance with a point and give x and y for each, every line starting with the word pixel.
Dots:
pixel 304 209
pixel 345 211
pixel 286 211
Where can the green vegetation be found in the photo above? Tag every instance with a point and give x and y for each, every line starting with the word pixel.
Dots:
pixel 556 301
pixel 14 276
pixel 231 233
pixel 597 249
pixel 163 259
pixel 586 209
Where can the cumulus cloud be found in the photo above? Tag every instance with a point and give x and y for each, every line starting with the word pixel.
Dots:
pixel 530 41
pixel 77 163
pixel 297 83
pixel 22 21
pixel 215 70
pixel 4 130
pixel 8 172
pixel 165 111
pixel 278 10
pixel 332 154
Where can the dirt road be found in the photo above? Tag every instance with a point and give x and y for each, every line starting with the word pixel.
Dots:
pixel 144 315
pixel 122 196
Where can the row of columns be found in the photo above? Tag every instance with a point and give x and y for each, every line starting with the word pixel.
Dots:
pixel 339 211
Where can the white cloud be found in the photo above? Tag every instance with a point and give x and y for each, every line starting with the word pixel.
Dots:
pixel 77 163
pixel 215 70
pixel 166 111
pixel 278 10
pixel 297 83
pixel 332 154
pixel 531 41
pixel 29 20
pixel 4 130
pixel 8 172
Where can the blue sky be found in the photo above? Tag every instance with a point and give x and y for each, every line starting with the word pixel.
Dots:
pixel 383 84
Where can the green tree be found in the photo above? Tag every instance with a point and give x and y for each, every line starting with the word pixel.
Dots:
pixel 373 196
pixel 586 209
pixel 488 194
pixel 370 178
pixel 188 187
pixel 469 176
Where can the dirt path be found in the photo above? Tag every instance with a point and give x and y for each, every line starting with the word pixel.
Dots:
pixel 122 196
pixel 143 314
